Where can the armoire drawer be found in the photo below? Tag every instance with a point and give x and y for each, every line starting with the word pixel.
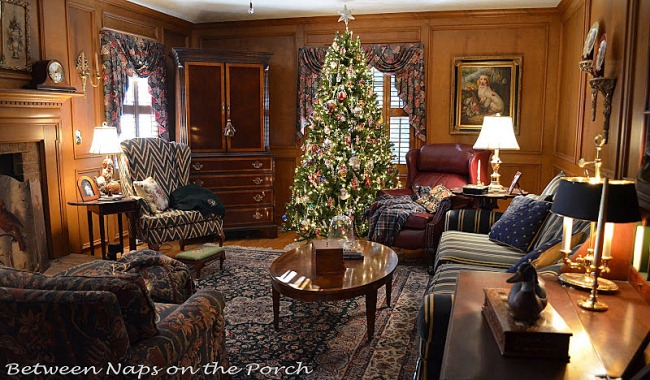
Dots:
pixel 246 197
pixel 254 215
pixel 225 181
pixel 236 164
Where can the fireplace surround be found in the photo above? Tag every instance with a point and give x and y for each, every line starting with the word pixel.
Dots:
pixel 33 118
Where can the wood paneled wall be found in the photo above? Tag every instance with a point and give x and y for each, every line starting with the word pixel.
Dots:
pixel 532 34
pixel 556 128
pixel 61 30
pixel 626 25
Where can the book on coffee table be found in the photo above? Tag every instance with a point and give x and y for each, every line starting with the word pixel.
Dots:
pixel 547 337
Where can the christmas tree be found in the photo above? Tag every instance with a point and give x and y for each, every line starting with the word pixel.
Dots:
pixel 346 149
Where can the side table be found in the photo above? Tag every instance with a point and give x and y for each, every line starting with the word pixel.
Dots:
pixel 487 201
pixel 126 206
pixel 603 345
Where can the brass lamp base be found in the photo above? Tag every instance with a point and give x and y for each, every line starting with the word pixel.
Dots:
pixel 592 304
pixel 585 282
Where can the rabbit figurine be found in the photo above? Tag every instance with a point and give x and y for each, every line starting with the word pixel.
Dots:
pixel 527 297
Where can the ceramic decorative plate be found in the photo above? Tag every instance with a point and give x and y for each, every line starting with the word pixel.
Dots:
pixel 590 41
pixel 599 57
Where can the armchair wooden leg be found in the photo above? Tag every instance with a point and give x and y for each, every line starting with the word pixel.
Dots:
pixel 182 244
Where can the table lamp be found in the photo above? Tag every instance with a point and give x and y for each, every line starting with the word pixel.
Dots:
pixel 105 141
pixel 602 202
pixel 497 133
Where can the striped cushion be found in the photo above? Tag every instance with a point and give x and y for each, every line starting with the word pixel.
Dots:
pixel 552 229
pixel 474 249
pixel 446 277
pixel 173 217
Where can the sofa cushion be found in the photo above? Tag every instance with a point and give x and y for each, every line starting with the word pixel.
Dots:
pixel 520 223
pixel 446 277
pixel 130 289
pixel 474 249
pixel 173 218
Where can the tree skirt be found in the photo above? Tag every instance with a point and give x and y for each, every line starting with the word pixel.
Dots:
pixel 326 339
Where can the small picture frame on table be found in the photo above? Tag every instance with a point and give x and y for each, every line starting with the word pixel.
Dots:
pixel 87 188
pixel 515 183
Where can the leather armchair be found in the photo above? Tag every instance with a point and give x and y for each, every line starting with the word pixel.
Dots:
pixel 449 164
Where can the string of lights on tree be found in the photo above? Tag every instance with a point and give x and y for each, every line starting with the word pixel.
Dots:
pixel 346 149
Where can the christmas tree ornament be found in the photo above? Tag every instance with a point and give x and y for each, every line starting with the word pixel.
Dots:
pixel 344 195
pixel 331 106
pixel 355 163
pixel 357 111
pixel 342 96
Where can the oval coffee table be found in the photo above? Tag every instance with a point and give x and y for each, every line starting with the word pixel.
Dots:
pixel 293 274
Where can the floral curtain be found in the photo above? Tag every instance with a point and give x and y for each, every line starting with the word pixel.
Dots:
pixel 405 61
pixel 123 56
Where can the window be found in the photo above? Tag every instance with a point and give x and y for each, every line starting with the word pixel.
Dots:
pixel 137 119
pixel 393 114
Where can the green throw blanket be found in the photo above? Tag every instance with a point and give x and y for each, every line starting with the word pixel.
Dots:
pixel 195 197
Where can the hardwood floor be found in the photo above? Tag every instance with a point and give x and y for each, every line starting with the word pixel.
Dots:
pixel 285 240
pixel 172 248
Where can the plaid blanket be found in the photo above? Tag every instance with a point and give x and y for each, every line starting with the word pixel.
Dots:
pixel 388 215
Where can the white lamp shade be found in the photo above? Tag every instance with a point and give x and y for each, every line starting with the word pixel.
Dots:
pixel 497 133
pixel 105 140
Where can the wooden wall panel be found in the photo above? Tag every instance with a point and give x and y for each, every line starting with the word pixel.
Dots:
pixel 534 35
pixel 570 83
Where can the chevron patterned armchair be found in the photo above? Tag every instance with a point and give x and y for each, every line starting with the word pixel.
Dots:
pixel 168 163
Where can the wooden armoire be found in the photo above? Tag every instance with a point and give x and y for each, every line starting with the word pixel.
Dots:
pixel 222 101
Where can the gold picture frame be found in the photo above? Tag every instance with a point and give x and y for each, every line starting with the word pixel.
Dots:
pixel 15 40
pixel 87 188
pixel 484 86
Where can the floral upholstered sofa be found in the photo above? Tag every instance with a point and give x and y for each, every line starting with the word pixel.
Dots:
pixel 468 243
pixel 104 312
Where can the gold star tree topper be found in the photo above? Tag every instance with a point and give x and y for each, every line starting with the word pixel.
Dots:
pixel 346 15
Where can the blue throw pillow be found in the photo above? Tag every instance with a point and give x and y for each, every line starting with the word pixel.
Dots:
pixel 519 225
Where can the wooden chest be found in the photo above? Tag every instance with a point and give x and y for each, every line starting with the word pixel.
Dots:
pixel 244 183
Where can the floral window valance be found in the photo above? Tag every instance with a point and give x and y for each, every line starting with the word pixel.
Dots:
pixel 405 61
pixel 123 56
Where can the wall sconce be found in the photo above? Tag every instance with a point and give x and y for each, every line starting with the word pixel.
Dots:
pixel 84 71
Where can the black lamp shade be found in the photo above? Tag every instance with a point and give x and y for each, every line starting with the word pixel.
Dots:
pixel 578 198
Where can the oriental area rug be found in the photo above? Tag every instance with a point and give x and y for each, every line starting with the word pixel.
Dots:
pixel 316 340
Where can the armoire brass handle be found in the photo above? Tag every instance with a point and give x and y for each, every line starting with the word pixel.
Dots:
pixel 257 180
pixel 258 197
pixel 197 166
pixel 257 164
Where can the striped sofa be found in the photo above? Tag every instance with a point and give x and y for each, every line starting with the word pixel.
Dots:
pixel 465 245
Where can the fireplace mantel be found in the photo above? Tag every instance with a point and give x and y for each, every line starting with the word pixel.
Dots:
pixel 33 115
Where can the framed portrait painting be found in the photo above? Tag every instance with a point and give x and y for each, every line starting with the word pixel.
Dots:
pixel 15 52
pixel 484 86
pixel 87 188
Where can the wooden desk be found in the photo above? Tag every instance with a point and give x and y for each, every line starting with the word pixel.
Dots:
pixel 602 343
pixel 127 206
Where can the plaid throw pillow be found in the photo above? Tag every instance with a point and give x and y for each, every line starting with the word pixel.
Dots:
pixel 432 200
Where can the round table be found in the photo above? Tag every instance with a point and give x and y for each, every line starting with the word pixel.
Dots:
pixel 293 274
